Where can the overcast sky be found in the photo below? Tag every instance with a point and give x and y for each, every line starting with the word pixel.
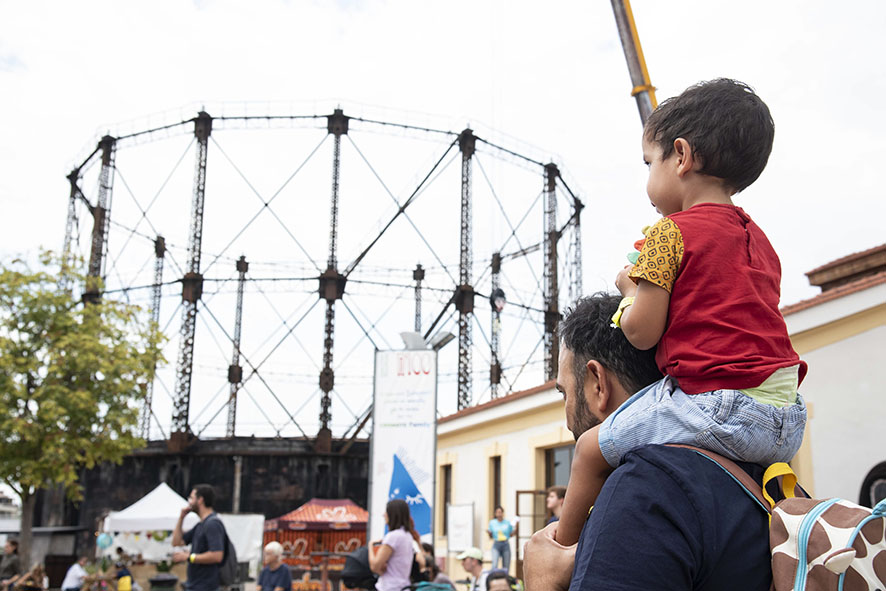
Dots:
pixel 549 77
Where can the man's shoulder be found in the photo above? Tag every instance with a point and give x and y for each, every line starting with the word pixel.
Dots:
pixel 668 511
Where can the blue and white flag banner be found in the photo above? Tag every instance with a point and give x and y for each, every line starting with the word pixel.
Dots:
pixel 404 433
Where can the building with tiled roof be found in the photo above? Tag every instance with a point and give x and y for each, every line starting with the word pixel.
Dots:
pixel 841 334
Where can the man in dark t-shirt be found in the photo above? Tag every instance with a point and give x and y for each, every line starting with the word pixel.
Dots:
pixel 207 541
pixel 667 518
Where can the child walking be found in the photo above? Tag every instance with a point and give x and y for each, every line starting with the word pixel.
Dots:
pixel 705 290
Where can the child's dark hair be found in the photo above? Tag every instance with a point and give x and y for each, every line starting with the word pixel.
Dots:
pixel 727 125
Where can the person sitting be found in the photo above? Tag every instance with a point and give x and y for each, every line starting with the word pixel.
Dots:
pixel 666 518
pixel 10 565
pixel 472 562
pixel 500 580
pixel 76 576
pixel 33 580
pixel 275 576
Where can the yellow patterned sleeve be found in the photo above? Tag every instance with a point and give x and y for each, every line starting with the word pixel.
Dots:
pixel 661 255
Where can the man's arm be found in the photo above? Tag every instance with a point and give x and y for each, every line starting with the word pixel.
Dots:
pixel 547 565
pixel 177 535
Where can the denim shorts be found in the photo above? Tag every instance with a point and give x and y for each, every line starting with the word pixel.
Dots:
pixel 727 422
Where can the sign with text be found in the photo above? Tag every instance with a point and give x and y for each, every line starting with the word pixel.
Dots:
pixel 404 438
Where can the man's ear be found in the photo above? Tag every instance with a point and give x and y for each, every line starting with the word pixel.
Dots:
pixel 685 156
pixel 597 390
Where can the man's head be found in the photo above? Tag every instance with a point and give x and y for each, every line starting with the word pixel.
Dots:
pixel 598 368
pixel 554 500
pixel 83 560
pixel 472 560
pixel 499 580
pixel 726 125
pixel 11 546
pixel 273 553
pixel 202 497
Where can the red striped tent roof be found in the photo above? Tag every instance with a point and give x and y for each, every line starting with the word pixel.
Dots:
pixel 322 514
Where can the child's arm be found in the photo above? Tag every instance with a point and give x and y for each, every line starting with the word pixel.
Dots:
pixel 644 321
pixel 586 477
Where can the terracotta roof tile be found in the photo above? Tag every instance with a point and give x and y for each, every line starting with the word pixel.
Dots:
pixel 837 292
pixel 507 398
pixel 848 258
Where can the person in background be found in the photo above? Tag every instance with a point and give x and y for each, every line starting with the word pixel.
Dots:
pixel 34 580
pixel 123 576
pixel 207 541
pixel 10 565
pixel 391 557
pixel 500 531
pixel 275 576
pixel 435 575
pixel 499 580
pixel 554 502
pixel 472 562
pixel 75 576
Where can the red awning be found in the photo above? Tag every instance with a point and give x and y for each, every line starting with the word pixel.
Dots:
pixel 322 514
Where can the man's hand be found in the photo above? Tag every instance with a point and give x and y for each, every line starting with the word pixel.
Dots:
pixel 180 556
pixel 625 284
pixel 547 565
pixel 185 510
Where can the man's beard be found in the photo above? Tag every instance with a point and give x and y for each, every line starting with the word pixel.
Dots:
pixel 582 419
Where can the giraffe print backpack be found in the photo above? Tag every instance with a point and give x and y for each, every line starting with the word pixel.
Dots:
pixel 816 545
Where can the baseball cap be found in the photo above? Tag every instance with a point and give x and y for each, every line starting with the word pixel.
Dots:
pixel 472 552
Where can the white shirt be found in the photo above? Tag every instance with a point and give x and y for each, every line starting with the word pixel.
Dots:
pixel 74 577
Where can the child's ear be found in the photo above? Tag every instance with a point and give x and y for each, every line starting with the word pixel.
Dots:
pixel 685 156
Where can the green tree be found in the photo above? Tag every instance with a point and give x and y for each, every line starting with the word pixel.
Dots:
pixel 72 376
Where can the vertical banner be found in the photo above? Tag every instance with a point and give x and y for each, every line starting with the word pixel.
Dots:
pixel 404 438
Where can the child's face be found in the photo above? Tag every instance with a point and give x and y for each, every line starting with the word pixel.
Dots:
pixel 662 186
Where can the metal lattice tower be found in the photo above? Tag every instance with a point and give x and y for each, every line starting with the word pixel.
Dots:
pixel 551 288
pixel 71 223
pixel 332 285
pixel 495 341
pixel 192 288
pixel 418 275
pixel 101 216
pixel 464 300
pixel 156 293
pixel 575 286
pixel 235 371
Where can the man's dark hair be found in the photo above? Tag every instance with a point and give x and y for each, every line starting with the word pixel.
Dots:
pixel 500 574
pixel 560 491
pixel 207 493
pixel 587 331
pixel 398 515
pixel 727 125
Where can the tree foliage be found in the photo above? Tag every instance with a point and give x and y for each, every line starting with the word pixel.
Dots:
pixel 72 376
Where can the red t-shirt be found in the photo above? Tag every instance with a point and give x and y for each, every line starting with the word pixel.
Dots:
pixel 724 329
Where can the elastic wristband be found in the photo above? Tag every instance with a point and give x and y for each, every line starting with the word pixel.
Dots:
pixel 616 318
pixel 192 557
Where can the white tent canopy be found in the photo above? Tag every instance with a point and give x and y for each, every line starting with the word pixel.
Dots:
pixel 135 528
pixel 156 511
